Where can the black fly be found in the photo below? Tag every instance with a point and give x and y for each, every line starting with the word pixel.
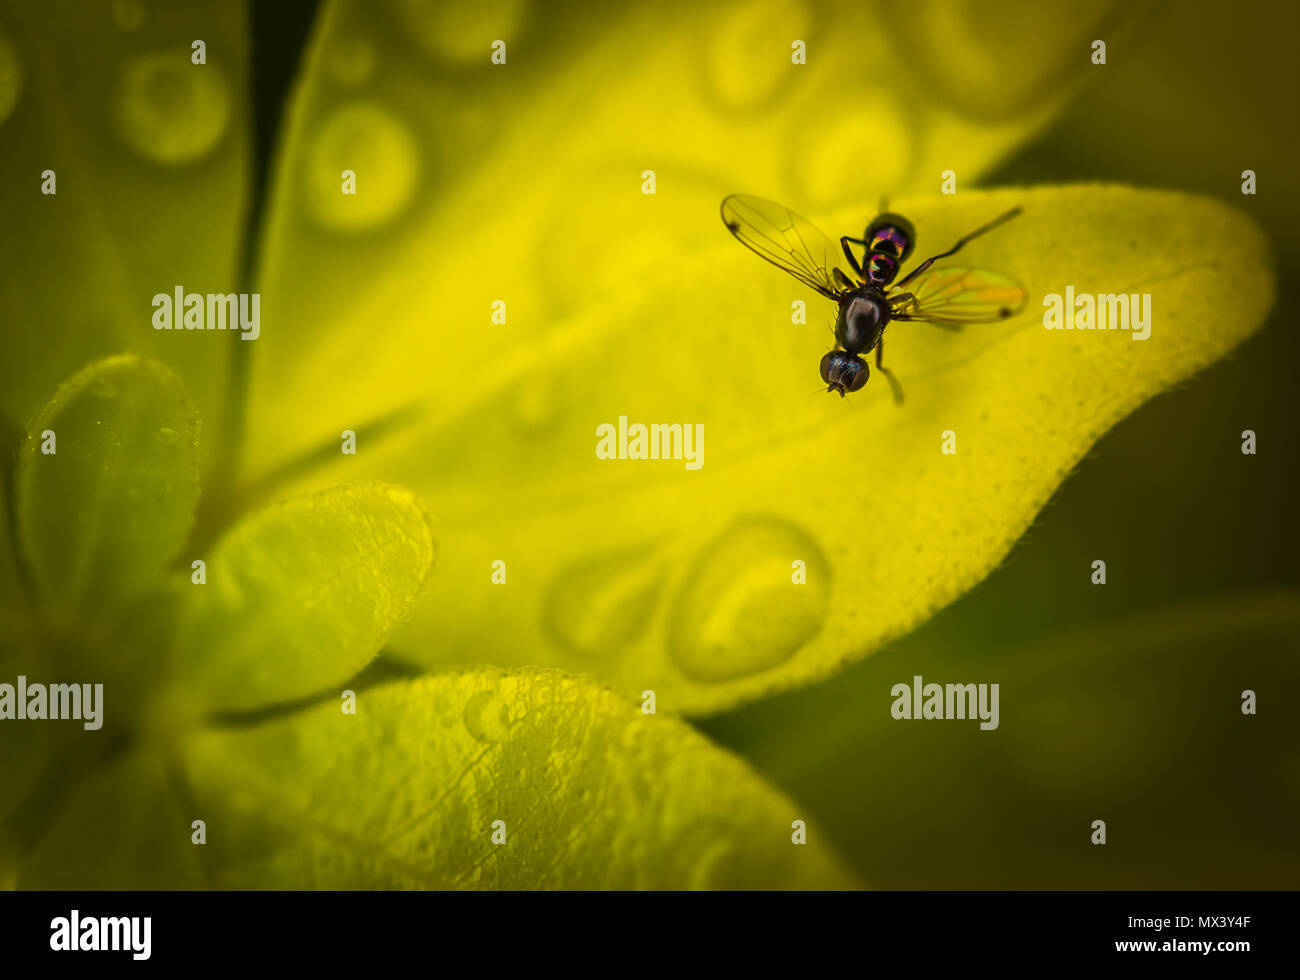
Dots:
pixel 869 298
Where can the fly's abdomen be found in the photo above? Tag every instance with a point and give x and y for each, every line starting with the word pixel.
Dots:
pixel 891 233
pixel 889 239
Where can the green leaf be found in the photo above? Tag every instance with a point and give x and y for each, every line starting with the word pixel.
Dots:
pixel 522 181
pixel 99 518
pixel 302 595
pixel 592 792
pixel 649 575
pixel 121 829
pixel 150 157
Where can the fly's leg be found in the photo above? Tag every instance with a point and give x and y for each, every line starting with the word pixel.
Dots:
pixel 1001 219
pixel 843 280
pixel 895 302
pixel 894 386
pixel 845 240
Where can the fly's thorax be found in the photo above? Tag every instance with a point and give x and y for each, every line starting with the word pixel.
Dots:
pixel 861 319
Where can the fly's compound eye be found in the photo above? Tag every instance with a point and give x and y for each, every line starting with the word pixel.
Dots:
pixel 844 372
pixel 827 362
pixel 859 374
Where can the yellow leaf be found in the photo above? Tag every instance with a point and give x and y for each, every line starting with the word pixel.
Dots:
pixel 301 595
pixel 504 780
pixel 650 575
pixel 523 182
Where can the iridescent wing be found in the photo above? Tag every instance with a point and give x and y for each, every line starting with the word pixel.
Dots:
pixel 785 239
pixel 959 295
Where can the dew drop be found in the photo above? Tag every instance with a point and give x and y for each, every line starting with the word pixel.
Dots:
pixel 460 30
pixel 486 717
pixel 103 387
pixel 748 61
pixel 737 612
pixel 369 140
pixel 351 61
pixel 11 77
pixel 167 436
pixel 170 111
pixel 705 857
pixel 599 607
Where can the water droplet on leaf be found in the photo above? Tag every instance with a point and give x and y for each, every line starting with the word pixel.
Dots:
pixel 487 717
pixel 103 387
pixel 369 140
pixel 170 111
pixel 460 30
pixel 748 62
pixel 705 857
pixel 600 606
pixel 738 612
pixel 351 61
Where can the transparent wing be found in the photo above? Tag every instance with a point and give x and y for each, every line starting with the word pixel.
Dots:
pixel 959 295
pixel 785 239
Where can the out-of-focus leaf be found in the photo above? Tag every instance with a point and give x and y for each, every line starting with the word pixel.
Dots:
pixel 301 595
pixel 99 518
pixel 122 829
pixel 149 153
pixel 995 61
pixel 591 793
pixel 24 747
pixel 652 576
pixel 1137 722
pixel 522 182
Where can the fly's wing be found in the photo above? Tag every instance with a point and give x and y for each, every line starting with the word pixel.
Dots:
pixel 785 239
pixel 959 295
